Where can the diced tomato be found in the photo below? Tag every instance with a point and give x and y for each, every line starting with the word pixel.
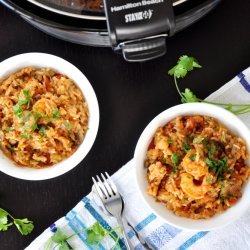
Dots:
pixel 47 83
pixel 233 200
pixel 58 75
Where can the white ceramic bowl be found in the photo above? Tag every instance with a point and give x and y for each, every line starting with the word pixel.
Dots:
pixel 233 123
pixel 13 64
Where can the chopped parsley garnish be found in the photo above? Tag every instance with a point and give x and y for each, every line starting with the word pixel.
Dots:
pixel 25 134
pixel 198 140
pixel 49 119
pixel 27 117
pixel 192 157
pixel 170 140
pixel 18 111
pixel 12 150
pixel 8 129
pixel 66 124
pixel 217 166
pixel 175 160
pixel 212 150
pixel 42 130
pixel 56 114
pixel 186 147
pixel 34 126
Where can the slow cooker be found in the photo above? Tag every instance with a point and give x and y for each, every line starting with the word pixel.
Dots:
pixel 136 28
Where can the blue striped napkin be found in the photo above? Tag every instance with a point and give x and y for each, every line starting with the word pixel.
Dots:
pixel 156 232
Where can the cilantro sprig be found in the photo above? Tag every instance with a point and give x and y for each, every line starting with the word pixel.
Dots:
pixel 186 64
pixel 94 235
pixel 24 226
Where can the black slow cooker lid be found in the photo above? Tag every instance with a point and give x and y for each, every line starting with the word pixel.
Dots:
pixel 78 8
pixel 81 19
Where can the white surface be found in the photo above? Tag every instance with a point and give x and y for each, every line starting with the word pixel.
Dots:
pixel 233 123
pixel 60 65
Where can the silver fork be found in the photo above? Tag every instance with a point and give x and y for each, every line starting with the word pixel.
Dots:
pixel 112 202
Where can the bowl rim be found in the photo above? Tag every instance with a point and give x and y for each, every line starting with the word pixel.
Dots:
pixel 39 60
pixel 223 116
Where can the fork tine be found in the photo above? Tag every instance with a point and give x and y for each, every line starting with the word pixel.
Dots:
pixel 102 187
pixel 99 191
pixel 112 184
pixel 107 185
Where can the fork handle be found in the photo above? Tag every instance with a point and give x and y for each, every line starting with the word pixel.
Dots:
pixel 127 241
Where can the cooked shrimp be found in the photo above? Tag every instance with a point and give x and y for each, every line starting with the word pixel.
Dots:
pixel 193 123
pixel 197 168
pixel 191 189
pixel 44 106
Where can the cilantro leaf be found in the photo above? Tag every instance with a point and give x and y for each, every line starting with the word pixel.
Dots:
pixel 198 140
pixel 186 147
pixel 170 140
pixel 95 233
pixel 184 65
pixel 56 114
pixel 212 150
pixel 4 225
pixel 24 226
pixel 18 111
pixel 192 157
pixel 58 236
pixel 175 160
pixel 189 96
pixel 26 92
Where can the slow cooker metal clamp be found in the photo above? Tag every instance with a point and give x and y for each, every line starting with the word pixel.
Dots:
pixel 139 29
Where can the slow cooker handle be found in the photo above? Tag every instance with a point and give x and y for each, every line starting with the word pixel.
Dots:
pixel 139 29
pixel 147 40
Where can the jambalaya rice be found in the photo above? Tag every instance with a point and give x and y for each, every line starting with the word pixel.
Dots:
pixel 43 117
pixel 196 166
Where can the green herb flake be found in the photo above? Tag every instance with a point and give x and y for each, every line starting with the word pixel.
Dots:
pixel 8 129
pixel 222 185
pixel 25 134
pixel 49 119
pixel 26 92
pixel 170 140
pixel 27 117
pixel 198 140
pixel 34 126
pixel 56 114
pixel 212 150
pixel 66 124
pixel 42 130
pixel 12 150
pixel 37 116
pixel 175 160
pixel 186 147
pixel 192 157
pixel 18 111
